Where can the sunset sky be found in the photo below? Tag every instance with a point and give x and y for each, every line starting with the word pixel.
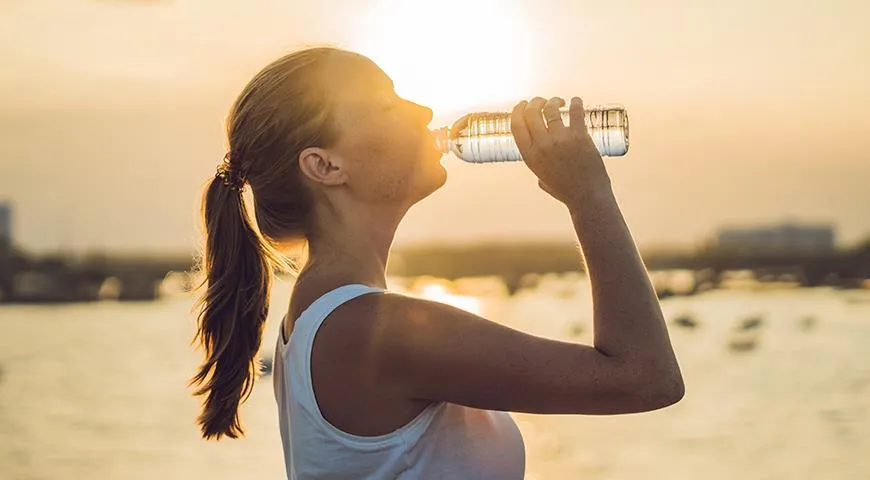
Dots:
pixel 742 112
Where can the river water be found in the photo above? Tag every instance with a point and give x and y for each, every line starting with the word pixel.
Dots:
pixel 778 387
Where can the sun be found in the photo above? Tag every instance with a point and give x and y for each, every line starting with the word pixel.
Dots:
pixel 453 56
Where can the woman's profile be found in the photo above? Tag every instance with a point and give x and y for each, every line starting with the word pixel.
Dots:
pixel 375 384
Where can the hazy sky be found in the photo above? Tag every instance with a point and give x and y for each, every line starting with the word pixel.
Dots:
pixel 742 112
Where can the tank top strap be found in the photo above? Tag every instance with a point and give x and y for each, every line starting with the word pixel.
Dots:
pixel 309 321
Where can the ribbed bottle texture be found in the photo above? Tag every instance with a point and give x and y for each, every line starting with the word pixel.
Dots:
pixel 486 137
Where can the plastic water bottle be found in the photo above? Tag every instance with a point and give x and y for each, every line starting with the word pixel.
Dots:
pixel 485 137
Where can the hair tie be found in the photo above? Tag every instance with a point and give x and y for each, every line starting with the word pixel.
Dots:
pixel 233 179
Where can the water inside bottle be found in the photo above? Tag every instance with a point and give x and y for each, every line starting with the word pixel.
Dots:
pixel 486 137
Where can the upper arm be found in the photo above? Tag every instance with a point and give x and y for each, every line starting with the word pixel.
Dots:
pixel 433 351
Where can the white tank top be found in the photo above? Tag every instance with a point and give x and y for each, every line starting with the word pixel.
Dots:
pixel 444 441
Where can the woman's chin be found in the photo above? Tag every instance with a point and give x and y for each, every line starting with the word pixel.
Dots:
pixel 442 174
pixel 435 179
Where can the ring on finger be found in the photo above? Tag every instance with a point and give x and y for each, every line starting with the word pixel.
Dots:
pixel 553 118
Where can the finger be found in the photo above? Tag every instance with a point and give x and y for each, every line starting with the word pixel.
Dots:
pixel 552 115
pixel 535 119
pixel 519 128
pixel 577 114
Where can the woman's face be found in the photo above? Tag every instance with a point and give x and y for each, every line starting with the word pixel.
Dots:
pixel 384 143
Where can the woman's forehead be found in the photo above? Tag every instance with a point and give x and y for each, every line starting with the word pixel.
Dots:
pixel 350 77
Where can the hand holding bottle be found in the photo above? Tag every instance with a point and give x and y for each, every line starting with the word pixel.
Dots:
pixel 564 158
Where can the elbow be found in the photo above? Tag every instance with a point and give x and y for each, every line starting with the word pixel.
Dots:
pixel 670 395
pixel 664 391
pixel 657 386
pixel 652 386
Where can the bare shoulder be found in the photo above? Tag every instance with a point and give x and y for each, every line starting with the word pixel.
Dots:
pixel 395 320
pixel 376 320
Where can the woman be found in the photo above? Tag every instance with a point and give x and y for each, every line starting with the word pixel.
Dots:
pixel 373 384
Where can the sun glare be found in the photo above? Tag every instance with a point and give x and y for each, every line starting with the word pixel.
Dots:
pixel 452 55
pixel 439 294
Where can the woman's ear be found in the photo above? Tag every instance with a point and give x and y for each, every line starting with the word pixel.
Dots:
pixel 320 167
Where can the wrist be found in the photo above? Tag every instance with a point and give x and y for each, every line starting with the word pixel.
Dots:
pixel 591 196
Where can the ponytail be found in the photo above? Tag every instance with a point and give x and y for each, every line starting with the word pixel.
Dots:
pixel 281 111
pixel 238 268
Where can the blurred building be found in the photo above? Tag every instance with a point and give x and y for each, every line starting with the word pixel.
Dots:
pixel 5 226
pixel 781 238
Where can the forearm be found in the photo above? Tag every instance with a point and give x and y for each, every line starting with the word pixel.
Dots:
pixel 628 321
